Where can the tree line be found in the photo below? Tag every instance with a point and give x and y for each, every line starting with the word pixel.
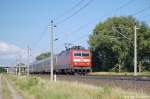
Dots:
pixel 112 45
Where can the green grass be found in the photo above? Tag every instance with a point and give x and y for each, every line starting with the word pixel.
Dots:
pixel 144 73
pixel 121 74
pixel 5 91
pixel 38 88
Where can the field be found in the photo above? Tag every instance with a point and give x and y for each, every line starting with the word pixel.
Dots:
pixel 37 88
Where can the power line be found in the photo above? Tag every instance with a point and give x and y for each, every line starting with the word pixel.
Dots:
pixel 90 1
pixel 44 31
pixel 136 13
pixel 141 11
pixel 89 23
pixel 80 40
pixel 69 10
pixel 40 37
pixel 76 12
pixel 106 14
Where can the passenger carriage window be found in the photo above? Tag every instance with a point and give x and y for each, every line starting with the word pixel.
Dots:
pixel 85 54
pixel 77 54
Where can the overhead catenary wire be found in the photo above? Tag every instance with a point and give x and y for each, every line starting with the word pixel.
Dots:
pixel 42 34
pixel 69 10
pixel 106 14
pixel 141 11
pixel 40 37
pixel 63 14
pixel 76 12
pixel 136 13
pixel 124 5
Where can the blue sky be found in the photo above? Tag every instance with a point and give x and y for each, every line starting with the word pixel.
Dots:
pixel 23 21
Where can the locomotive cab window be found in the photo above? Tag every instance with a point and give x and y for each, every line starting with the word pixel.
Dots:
pixel 77 54
pixel 85 54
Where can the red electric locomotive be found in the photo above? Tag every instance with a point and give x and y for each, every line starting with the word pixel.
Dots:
pixel 74 60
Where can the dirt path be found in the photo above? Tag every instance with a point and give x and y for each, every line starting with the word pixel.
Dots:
pixel 14 93
pixel 0 86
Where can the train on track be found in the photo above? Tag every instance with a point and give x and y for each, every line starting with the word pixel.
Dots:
pixel 72 60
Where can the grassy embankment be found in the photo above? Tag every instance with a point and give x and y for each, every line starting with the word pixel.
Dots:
pixel 38 88
pixel 5 91
pixel 120 74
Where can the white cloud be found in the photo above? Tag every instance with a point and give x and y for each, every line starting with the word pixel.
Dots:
pixel 11 52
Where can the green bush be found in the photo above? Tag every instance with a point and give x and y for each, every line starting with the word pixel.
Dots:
pixel 2 70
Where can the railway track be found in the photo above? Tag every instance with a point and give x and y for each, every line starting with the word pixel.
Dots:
pixel 128 83
pixel 103 77
pixel 132 78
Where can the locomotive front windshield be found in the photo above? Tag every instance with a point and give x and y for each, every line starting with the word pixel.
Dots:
pixel 81 54
pixel 77 54
pixel 85 54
